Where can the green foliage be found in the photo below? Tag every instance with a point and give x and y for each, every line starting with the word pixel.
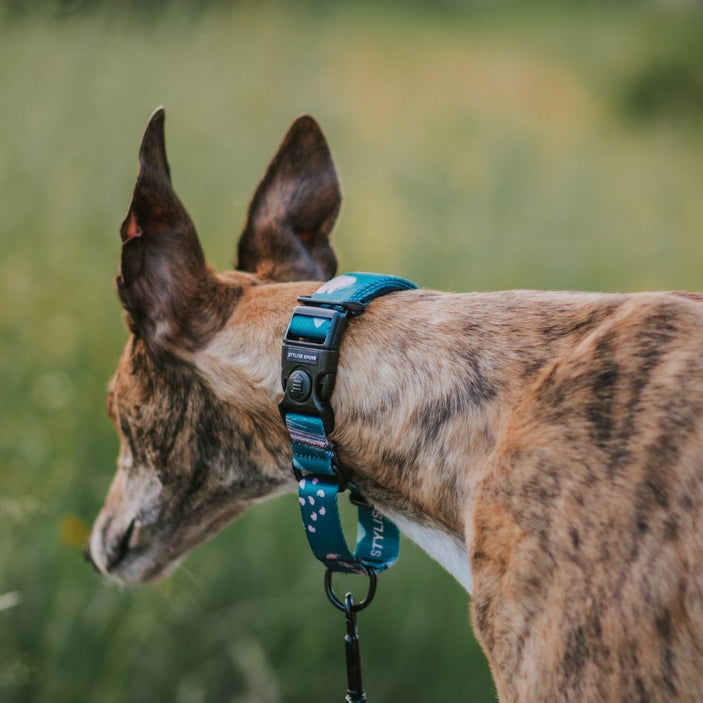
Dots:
pixel 480 149
pixel 669 82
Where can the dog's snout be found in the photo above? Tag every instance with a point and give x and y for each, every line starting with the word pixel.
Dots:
pixel 118 548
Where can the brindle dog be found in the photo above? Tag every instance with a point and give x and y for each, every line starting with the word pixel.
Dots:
pixel 546 448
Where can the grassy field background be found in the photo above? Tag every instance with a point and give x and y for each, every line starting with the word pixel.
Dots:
pixel 480 146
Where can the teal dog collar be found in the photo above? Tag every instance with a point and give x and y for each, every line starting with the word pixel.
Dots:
pixel 309 367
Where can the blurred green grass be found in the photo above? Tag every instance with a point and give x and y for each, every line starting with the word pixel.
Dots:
pixel 480 147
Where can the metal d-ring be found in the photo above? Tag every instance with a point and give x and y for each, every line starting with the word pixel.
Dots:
pixel 344 605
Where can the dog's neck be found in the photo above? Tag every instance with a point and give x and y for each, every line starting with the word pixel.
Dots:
pixel 423 391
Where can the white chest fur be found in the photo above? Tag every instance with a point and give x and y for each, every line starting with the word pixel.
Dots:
pixel 443 548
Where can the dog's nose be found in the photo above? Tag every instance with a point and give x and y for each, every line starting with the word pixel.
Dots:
pixel 118 549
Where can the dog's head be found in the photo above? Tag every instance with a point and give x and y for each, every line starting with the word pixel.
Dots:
pixel 194 456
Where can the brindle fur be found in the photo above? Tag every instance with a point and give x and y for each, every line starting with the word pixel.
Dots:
pixel 556 437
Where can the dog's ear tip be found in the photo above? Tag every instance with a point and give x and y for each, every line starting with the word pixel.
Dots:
pixel 306 120
pixel 154 125
pixel 152 151
pixel 306 123
pixel 158 114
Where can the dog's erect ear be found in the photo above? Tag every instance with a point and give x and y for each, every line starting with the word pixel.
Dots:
pixel 172 298
pixel 286 237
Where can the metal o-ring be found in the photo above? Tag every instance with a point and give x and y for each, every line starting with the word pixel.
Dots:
pixel 343 605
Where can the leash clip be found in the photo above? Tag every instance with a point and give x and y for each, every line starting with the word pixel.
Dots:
pixel 355 688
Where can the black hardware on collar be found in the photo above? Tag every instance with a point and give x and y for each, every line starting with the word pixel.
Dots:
pixel 309 368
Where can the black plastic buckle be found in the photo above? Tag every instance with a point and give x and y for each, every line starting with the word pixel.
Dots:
pixel 309 367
